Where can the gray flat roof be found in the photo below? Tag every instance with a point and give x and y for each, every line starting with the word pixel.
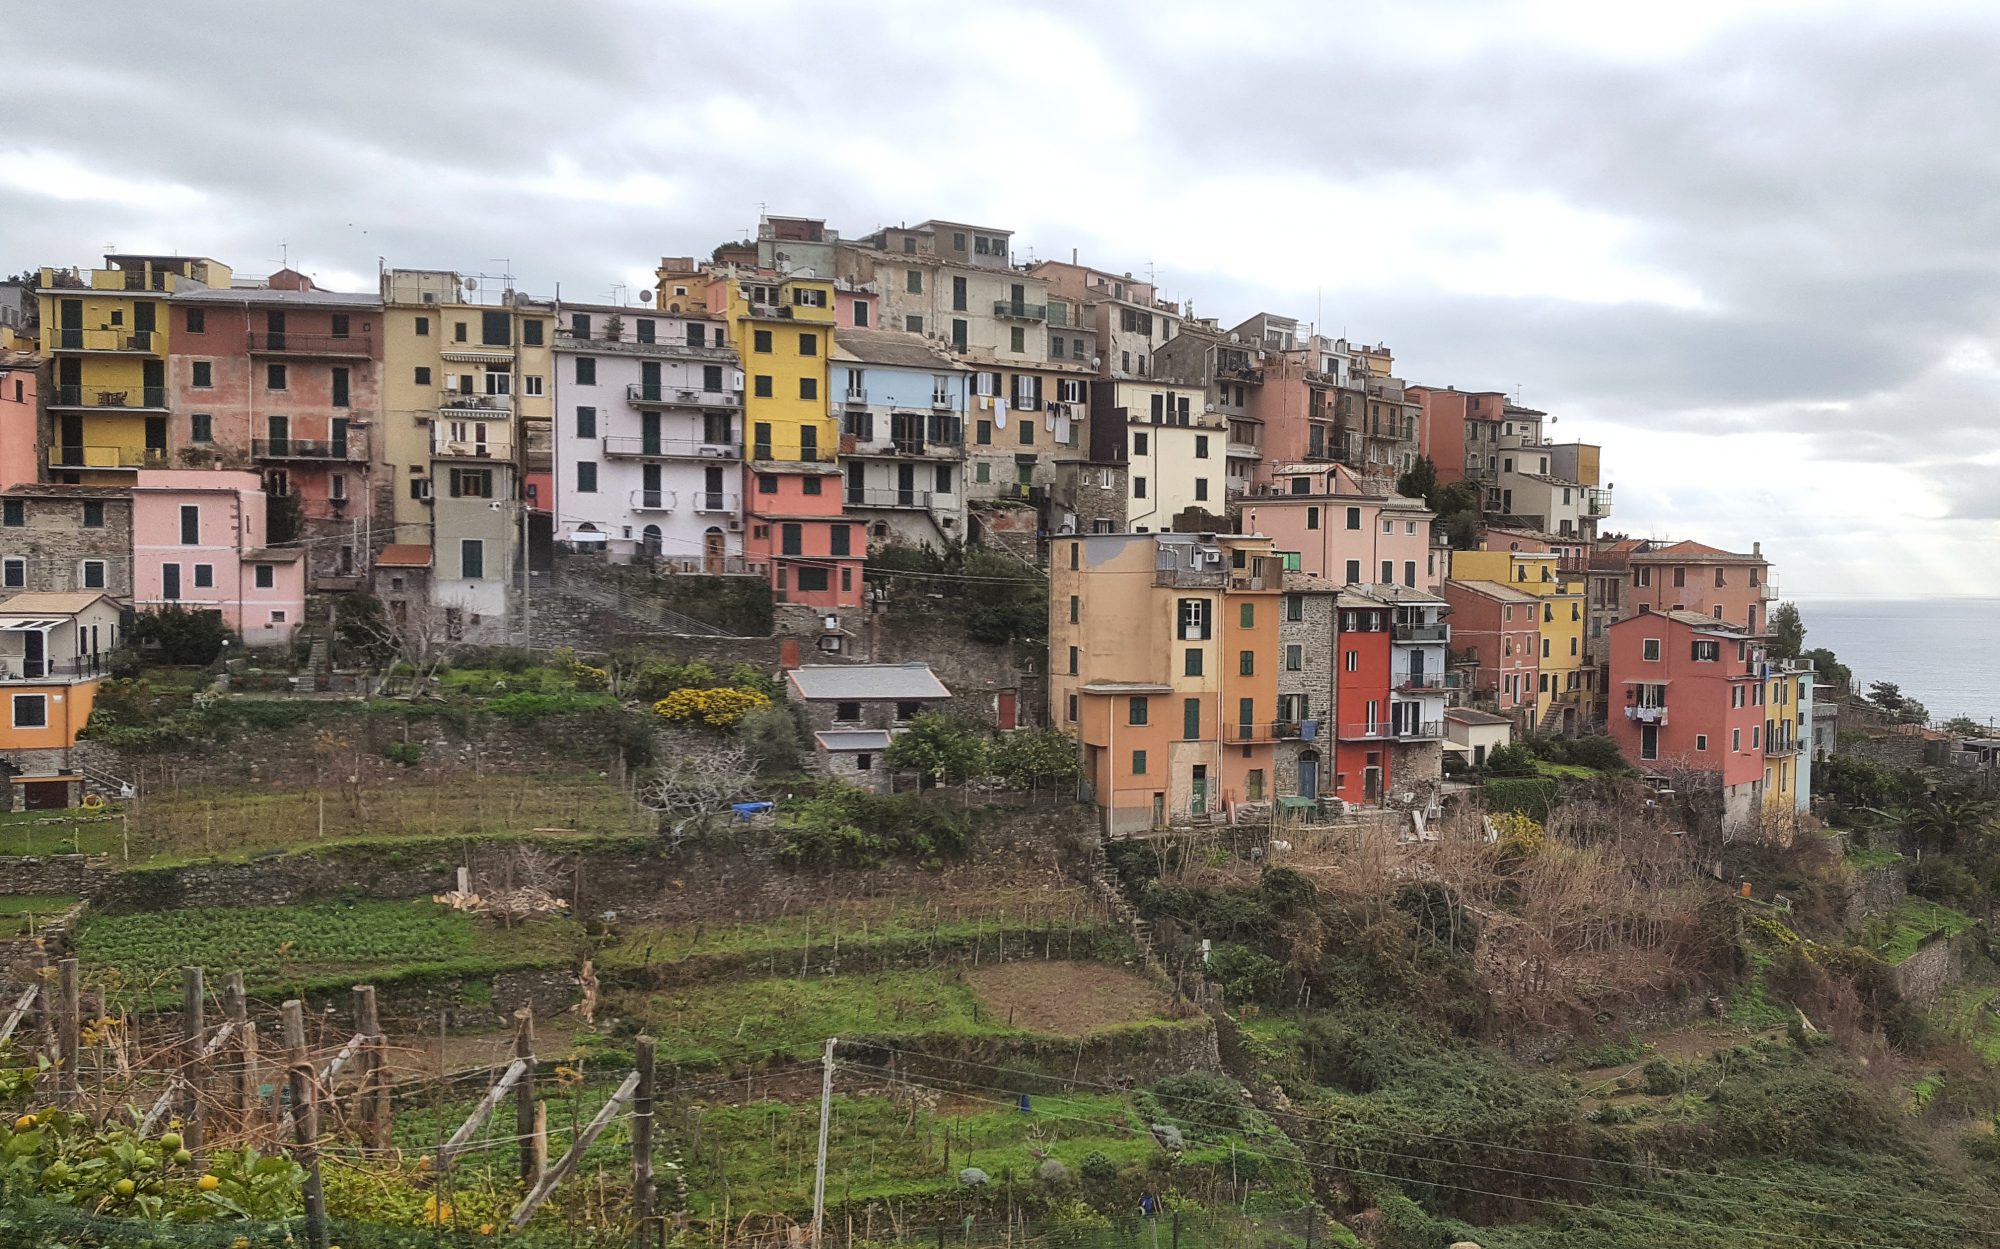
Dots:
pixel 865 682
pixel 853 739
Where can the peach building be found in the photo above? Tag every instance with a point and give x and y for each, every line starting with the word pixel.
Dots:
pixel 20 418
pixel 1343 528
pixel 198 541
pixel 54 649
pixel 1688 705
pixel 1690 576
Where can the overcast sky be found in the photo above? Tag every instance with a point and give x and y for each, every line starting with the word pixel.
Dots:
pixel 1750 248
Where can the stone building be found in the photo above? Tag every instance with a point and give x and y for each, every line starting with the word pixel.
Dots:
pixel 854 710
pixel 55 539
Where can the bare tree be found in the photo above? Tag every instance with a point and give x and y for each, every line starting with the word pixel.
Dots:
pixel 426 637
pixel 697 780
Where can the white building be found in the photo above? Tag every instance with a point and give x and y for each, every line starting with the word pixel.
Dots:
pixel 648 436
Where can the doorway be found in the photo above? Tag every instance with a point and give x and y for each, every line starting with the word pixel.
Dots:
pixel 1198 791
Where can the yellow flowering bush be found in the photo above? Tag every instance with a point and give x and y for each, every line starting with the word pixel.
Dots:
pixel 720 708
pixel 1519 835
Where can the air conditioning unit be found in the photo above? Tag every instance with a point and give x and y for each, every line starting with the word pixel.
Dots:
pixel 735 525
pixel 720 453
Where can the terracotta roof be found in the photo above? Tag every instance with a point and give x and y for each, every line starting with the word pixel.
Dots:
pixel 1495 590
pixel 1693 551
pixel 404 555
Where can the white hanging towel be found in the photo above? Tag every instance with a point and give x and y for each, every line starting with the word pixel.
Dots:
pixel 999 414
pixel 1062 430
pixel 1049 419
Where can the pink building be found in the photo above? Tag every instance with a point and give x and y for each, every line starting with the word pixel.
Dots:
pixel 1690 576
pixel 855 307
pixel 198 541
pixel 1687 699
pixel 797 536
pixel 1343 529
pixel 20 428
pixel 1500 628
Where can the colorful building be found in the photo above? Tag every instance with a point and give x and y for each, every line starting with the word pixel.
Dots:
pixel 649 437
pixel 1689 576
pixel 901 401
pixel 1689 707
pixel 198 543
pixel 58 539
pixel 106 334
pixel 1172 451
pixel 1498 628
pixel 1788 729
pixel 1343 527
pixel 286 379
pixel 54 649
pixel 20 416
pixel 1564 678
pixel 1163 666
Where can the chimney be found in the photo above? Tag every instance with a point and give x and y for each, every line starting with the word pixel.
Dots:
pixel 1757 548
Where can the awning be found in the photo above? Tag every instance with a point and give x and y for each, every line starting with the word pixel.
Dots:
pixel 853 739
pixel 28 624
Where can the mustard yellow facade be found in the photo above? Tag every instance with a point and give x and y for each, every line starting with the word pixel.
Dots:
pixel 783 330
pixel 1787 735
pixel 106 334
pixel 1565 679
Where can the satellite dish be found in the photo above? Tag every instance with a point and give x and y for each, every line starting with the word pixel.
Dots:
pixel 1097 362
pixel 645 297
pixel 471 285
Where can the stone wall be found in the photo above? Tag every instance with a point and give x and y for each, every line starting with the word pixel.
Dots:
pixel 976 673
pixel 74 875
pixel 1091 498
pixel 55 543
pixel 1936 966
pixel 1875 891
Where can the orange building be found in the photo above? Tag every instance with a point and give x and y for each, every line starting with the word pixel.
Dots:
pixel 1164 658
pixel 1688 704
pixel 54 649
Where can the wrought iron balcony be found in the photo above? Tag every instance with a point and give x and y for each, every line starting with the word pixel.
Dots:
pixel 286 343
pixel 1421 681
pixel 1264 731
pixel 640 447
pixel 458 402
pixel 653 500
pixel 139 399
pixel 891 496
pixel 717 502
pixel 1652 713
pixel 648 395
pixel 112 340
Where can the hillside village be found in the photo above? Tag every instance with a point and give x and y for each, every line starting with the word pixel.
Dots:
pixel 883 737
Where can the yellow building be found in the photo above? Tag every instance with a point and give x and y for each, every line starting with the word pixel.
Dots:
pixel 106 332
pixel 1562 692
pixel 783 330
pixel 1787 732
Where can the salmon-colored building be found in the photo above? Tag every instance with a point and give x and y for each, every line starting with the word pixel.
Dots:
pixel 198 542
pixel 1499 629
pixel 1345 529
pixel 1690 576
pixel 796 534
pixel 20 418
pixel 1688 705
pixel 1164 665
pixel 1361 690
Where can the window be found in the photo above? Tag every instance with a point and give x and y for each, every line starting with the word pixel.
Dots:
pixel 586 370
pixel 531 384
pixel 494 329
pixel 586 422
pixel 1072 661
pixel 913 325
pixel 790 539
pixel 471 558
pixel 763 386
pixel 1351 661
pixel 842 536
pixel 340 388
pixel 813 579
pixel 423 375
pixel 197 321
pixel 1017 339
pixel 1246 663
pixel 847 711
pixel 170 582
pixel 204 576
pixel 190 525
pixel 809 388
pixel 14 514
pixel 93 515
pixel 1736 739
pixel 1649 650
pixel 1027 432
pixel 531 333
pixel 204 375
pixel 1410 572
pixel 1295 657
pixel 31 711
pixel 767 483
pixel 586 477
pixel 1072 708
pixel 913 281
pixel 1680 577
pixel 1295 607
pixel 1354 518
pixel 982 434
pixel 1191 719
pixel 1706 651
pixel 14 572
pixel 1312 518
pixel 808 344
pixel 1075 608
pixel 458 331
pixel 1191 662
pixel 1701 741
pixel 860 315
pixel 423 327
pixel 93 574
pixel 1388 572
pixel 1139 443
pixel 1137 710
pixel 1138 487
pixel 274 377
pixel 471 483
pixel 267 575
pixel 1354 572
pixel 1138 763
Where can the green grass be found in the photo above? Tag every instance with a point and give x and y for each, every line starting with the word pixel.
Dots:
pixel 1564 771
pixel 1862 858
pixel 53 832
pixel 855 923
pixel 311 945
pixel 1897 936
pixel 1966 1014
pixel 22 913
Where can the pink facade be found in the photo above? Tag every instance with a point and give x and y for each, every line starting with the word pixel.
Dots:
pixel 856 310
pixel 794 532
pixel 1500 627
pixel 1340 529
pixel 198 540
pixel 1721 585
pixel 20 459
pixel 1687 695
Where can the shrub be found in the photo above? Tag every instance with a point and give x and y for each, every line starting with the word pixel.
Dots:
pixel 773 740
pixel 718 708
pixel 939 748
pixel 1524 795
pixel 1513 759
pixel 180 636
pixel 1245 974
pixel 1285 890
pixel 844 826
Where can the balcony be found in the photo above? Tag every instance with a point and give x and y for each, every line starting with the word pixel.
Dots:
pixel 717 502
pixel 1597 502
pixel 458 402
pixel 1421 681
pixel 1647 713
pixel 140 399
pixel 854 397
pixel 1269 731
pixel 1364 732
pixel 1242 450
pixel 1253 583
pixel 1191 578
pixel 890 496
pixel 653 500
pixel 488 448
pixel 640 447
pixel 17 667
pixel 1019 311
pixel 107 457
pixel 763 452
pixel 1438 632
pixel 348 450
pixel 285 343
pixel 111 341
pixel 1417 731
pixel 644 395
pixel 1782 746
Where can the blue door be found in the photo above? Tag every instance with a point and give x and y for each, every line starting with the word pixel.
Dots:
pixel 1309 775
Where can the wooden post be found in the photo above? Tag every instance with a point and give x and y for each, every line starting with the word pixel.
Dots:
pixel 372 1096
pixel 524 1096
pixel 236 1005
pixel 305 1116
pixel 642 1144
pixel 193 1025
pixel 480 1114
pixel 70 1010
pixel 554 1176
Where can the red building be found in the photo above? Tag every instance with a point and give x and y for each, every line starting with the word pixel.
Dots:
pixel 1500 627
pixel 20 428
pixel 1687 702
pixel 796 535
pixel 285 379
pixel 1363 726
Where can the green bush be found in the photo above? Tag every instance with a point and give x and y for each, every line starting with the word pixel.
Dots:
pixel 1524 795
pixel 1244 974
pixel 179 635
pixel 843 826
pixel 1285 890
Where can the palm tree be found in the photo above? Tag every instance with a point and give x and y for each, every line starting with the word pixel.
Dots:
pixel 1938 821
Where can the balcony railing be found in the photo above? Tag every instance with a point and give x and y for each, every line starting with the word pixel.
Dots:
pixel 141 398
pixel 642 394
pixel 286 343
pixel 890 496
pixel 717 502
pixel 348 450
pixel 1253 583
pixel 625 446
pixel 653 500
pixel 803 455
pixel 1266 731
pixel 1417 731
pixel 1647 714
pixel 106 457
pixel 1597 502
pixel 1421 681
pixel 17 667
pixel 117 340
pixel 854 397
pixel 492 448
pixel 1191 578
pixel 1782 746
pixel 1364 732
pixel 460 401
pixel 1420 632
pixel 1020 311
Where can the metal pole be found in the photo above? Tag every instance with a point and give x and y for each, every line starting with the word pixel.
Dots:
pixel 825 1121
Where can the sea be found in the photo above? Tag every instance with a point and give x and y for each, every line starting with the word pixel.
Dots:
pixel 1943 652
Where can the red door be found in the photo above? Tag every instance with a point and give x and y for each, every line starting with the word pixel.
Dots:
pixel 1006 712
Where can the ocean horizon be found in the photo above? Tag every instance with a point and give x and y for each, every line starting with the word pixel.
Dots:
pixel 1938 650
